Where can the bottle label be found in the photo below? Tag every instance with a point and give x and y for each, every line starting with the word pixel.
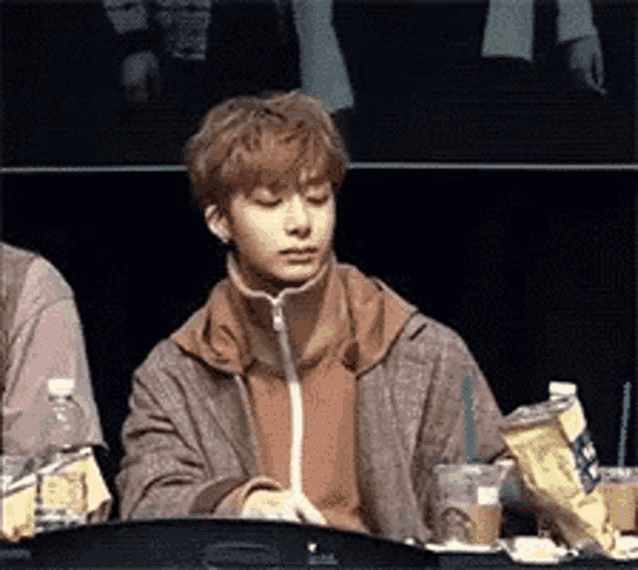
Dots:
pixel 586 461
pixel 61 501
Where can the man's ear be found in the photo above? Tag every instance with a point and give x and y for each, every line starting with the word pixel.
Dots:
pixel 217 222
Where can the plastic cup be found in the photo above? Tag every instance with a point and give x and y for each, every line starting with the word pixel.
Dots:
pixel 467 507
pixel 619 486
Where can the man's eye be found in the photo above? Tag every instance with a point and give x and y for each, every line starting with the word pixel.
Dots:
pixel 265 197
pixel 321 199
pixel 318 194
pixel 268 203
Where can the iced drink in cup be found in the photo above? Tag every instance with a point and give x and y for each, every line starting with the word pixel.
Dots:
pixel 467 507
pixel 619 486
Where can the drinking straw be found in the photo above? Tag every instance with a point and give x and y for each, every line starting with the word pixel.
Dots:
pixel 470 424
pixel 624 425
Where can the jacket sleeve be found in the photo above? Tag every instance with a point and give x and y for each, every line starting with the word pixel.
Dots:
pixel 460 419
pixel 509 29
pixel 575 20
pixel 165 472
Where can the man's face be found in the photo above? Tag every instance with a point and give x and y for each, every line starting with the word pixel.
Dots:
pixel 283 233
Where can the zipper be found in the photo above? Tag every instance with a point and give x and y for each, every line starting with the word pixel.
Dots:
pixel 278 317
pixel 296 402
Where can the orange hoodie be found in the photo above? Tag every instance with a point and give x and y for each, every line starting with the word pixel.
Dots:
pixel 300 355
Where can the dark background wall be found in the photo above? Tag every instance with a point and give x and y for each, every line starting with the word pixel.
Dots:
pixel 535 270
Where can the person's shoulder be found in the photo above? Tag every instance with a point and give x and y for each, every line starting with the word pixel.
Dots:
pixel 199 319
pixel 165 360
pixel 424 338
pixel 50 282
pixel 421 335
pixel 39 282
pixel 168 358
pixel 167 354
pixel 419 328
pixel 364 287
pixel 16 263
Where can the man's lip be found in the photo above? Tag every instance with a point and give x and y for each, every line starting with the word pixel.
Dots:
pixel 305 251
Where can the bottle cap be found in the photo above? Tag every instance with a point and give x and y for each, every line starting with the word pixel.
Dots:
pixel 562 389
pixel 61 386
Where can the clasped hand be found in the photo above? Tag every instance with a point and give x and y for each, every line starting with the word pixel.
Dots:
pixel 281 506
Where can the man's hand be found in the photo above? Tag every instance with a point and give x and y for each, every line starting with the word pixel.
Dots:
pixel 585 61
pixel 281 506
pixel 140 77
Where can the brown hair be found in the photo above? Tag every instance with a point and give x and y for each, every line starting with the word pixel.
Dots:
pixel 247 141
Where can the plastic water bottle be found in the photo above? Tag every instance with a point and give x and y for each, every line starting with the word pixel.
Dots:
pixel 63 424
pixel 60 497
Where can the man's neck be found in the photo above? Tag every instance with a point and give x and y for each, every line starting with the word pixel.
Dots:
pixel 301 308
pixel 250 281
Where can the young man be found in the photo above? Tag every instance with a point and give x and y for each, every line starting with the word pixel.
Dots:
pixel 302 390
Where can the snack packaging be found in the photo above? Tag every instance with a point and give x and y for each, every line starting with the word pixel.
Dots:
pixel 557 459
pixel 72 483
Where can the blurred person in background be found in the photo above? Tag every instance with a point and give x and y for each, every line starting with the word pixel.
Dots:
pixel 197 52
pixel 542 82
pixel 509 33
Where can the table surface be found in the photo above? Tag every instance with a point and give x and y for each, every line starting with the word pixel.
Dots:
pixel 206 543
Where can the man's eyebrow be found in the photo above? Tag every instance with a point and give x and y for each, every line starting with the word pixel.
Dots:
pixel 276 185
pixel 321 176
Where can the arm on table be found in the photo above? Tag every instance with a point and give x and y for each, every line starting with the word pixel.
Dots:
pixel 165 474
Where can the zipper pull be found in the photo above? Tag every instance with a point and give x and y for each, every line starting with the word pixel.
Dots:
pixel 278 318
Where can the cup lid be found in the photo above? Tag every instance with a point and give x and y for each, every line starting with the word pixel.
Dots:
pixel 562 388
pixel 61 386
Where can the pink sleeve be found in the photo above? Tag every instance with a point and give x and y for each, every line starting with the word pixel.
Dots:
pixel 46 341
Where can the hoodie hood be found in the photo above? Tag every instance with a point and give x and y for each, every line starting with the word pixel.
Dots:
pixel 341 313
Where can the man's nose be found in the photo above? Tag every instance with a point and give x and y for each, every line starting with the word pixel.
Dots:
pixel 297 216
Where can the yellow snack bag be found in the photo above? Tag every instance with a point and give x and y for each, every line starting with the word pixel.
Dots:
pixel 556 456
pixel 17 515
pixel 70 490
pixel 67 490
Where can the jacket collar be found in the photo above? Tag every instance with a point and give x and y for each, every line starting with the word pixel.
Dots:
pixel 302 309
pixel 340 314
